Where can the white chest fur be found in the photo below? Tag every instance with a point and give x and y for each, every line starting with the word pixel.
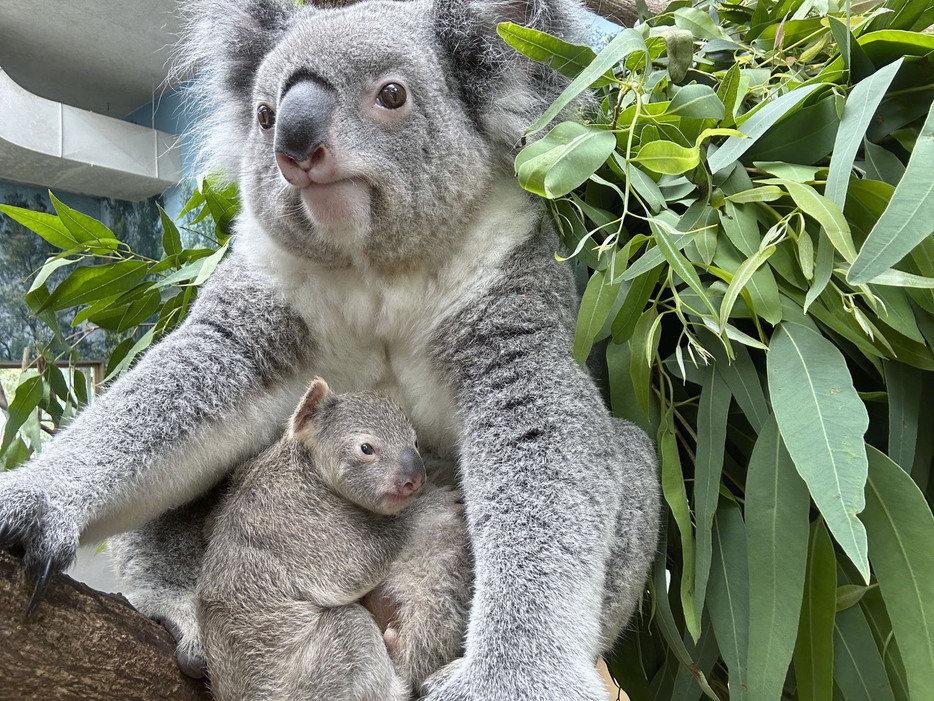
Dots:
pixel 373 332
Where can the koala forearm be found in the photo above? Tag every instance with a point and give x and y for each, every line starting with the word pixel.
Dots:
pixel 198 401
pixel 540 485
pixel 540 507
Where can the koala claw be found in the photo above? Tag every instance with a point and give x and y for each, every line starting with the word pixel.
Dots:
pixel 190 662
pixel 42 582
pixel 46 537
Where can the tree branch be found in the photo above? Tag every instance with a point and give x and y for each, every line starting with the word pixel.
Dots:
pixel 83 644
pixel 623 12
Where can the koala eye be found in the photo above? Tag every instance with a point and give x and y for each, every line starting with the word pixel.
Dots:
pixel 392 96
pixel 366 449
pixel 266 116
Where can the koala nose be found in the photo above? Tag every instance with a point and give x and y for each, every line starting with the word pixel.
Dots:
pixel 303 119
pixel 413 471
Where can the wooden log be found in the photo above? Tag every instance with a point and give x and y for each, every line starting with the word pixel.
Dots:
pixel 623 12
pixel 83 644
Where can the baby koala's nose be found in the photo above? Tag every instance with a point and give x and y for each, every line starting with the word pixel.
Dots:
pixel 412 471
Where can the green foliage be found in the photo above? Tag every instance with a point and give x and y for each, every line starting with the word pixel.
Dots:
pixel 751 206
pixel 134 295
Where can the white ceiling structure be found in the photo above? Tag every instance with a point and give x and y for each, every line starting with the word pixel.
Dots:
pixel 107 56
pixel 68 72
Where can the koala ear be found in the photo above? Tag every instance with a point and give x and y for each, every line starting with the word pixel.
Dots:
pixel 489 71
pixel 318 392
pixel 221 48
pixel 229 39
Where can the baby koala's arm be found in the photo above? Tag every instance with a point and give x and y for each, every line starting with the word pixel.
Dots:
pixel 424 603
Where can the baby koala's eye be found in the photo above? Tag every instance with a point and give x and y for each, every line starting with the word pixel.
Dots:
pixel 366 449
pixel 266 116
pixel 392 96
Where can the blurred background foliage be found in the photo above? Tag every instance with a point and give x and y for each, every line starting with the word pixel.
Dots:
pixel 98 291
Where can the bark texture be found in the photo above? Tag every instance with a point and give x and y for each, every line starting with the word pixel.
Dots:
pixel 83 644
pixel 623 11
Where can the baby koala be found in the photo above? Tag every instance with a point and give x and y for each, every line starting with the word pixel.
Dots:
pixel 333 571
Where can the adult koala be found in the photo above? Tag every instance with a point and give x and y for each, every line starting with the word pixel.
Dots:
pixel 383 244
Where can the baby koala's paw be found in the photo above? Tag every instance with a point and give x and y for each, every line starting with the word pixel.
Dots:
pixel 445 499
pixel 175 610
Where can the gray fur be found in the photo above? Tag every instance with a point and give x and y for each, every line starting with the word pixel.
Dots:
pixel 438 288
pixel 306 534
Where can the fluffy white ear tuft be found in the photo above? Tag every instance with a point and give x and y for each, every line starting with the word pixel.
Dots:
pixel 317 392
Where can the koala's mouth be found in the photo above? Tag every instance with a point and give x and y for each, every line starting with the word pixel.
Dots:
pixel 318 169
pixel 331 197
pixel 340 202
pixel 394 503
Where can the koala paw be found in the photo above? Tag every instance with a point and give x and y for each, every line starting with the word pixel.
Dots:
pixel 447 499
pixel 30 525
pixel 460 681
pixel 176 612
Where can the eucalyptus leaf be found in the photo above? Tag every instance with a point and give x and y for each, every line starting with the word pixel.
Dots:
pixel 48 226
pixel 696 102
pixel 857 664
pixel 805 135
pixel 904 385
pixel 901 530
pixel 712 413
pixel 860 107
pixel 728 596
pixel 88 230
pixel 679 263
pixel 766 193
pixel 850 595
pixel 568 59
pixel 669 629
pixel 563 159
pixel 627 42
pixel 789 171
pixel 699 23
pixel 907 220
pixel 596 304
pixel 814 650
pixel 668 157
pixel 171 238
pixel 729 94
pixel 827 213
pixel 636 298
pixel 23 404
pixel 643 343
pixel 676 497
pixel 777 506
pixel 822 422
pixel 90 283
pixel 878 619
pixel 743 275
pixel 757 125
pixel 882 164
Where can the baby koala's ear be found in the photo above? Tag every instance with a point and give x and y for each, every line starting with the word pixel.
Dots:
pixel 318 391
